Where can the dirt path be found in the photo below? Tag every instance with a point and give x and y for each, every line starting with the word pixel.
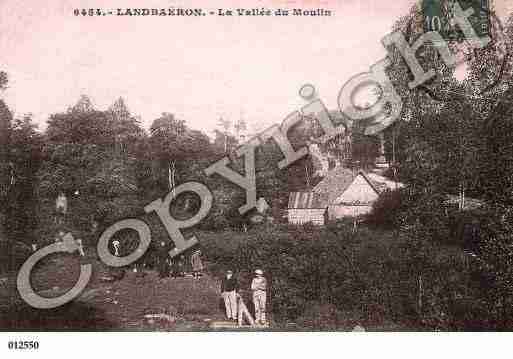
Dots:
pixel 132 303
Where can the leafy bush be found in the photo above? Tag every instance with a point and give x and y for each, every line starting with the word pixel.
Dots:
pixel 386 210
pixel 382 277
pixel 321 317
pixel 301 266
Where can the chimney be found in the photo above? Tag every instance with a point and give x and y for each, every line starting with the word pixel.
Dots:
pixel 381 158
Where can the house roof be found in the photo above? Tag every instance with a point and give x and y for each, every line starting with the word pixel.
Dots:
pixel 334 184
pixel 306 200
pixel 382 183
pixel 337 181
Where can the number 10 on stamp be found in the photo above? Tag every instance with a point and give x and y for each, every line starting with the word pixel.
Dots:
pixel 438 16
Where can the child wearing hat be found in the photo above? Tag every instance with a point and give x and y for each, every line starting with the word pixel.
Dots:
pixel 259 288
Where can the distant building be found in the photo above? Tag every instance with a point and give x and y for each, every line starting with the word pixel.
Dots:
pixel 343 193
pixel 347 194
pixel 305 207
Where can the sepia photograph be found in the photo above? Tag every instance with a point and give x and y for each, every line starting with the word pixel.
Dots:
pixel 228 166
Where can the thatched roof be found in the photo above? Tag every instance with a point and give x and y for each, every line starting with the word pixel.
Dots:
pixel 337 182
pixel 334 184
pixel 383 183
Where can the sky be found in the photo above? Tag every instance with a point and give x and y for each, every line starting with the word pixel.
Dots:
pixel 199 68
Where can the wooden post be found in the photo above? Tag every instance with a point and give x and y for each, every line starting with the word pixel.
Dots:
pixel 393 145
pixel 243 312
pixel 307 177
pixel 421 293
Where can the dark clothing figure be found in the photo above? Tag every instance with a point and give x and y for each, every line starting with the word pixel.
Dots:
pixel 229 285
pixel 181 266
pixel 163 268
pixel 163 263
pixel 174 268
pixel 177 267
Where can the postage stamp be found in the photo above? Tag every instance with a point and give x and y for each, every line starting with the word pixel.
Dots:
pixel 438 16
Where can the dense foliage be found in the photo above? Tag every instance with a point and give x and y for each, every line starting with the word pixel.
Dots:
pixel 453 138
pixel 370 277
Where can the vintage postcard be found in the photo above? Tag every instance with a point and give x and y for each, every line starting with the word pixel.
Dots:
pixel 255 166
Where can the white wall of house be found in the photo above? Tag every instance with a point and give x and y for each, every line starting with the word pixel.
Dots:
pixel 339 211
pixel 302 216
pixel 360 191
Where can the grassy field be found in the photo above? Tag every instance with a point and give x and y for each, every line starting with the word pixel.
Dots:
pixel 119 305
pixel 194 304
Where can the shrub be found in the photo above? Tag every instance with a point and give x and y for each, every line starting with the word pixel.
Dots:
pixel 386 210
pixel 319 316
pixel 381 276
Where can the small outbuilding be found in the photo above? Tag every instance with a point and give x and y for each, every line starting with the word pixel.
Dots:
pixel 347 194
pixel 305 207
pixel 342 193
